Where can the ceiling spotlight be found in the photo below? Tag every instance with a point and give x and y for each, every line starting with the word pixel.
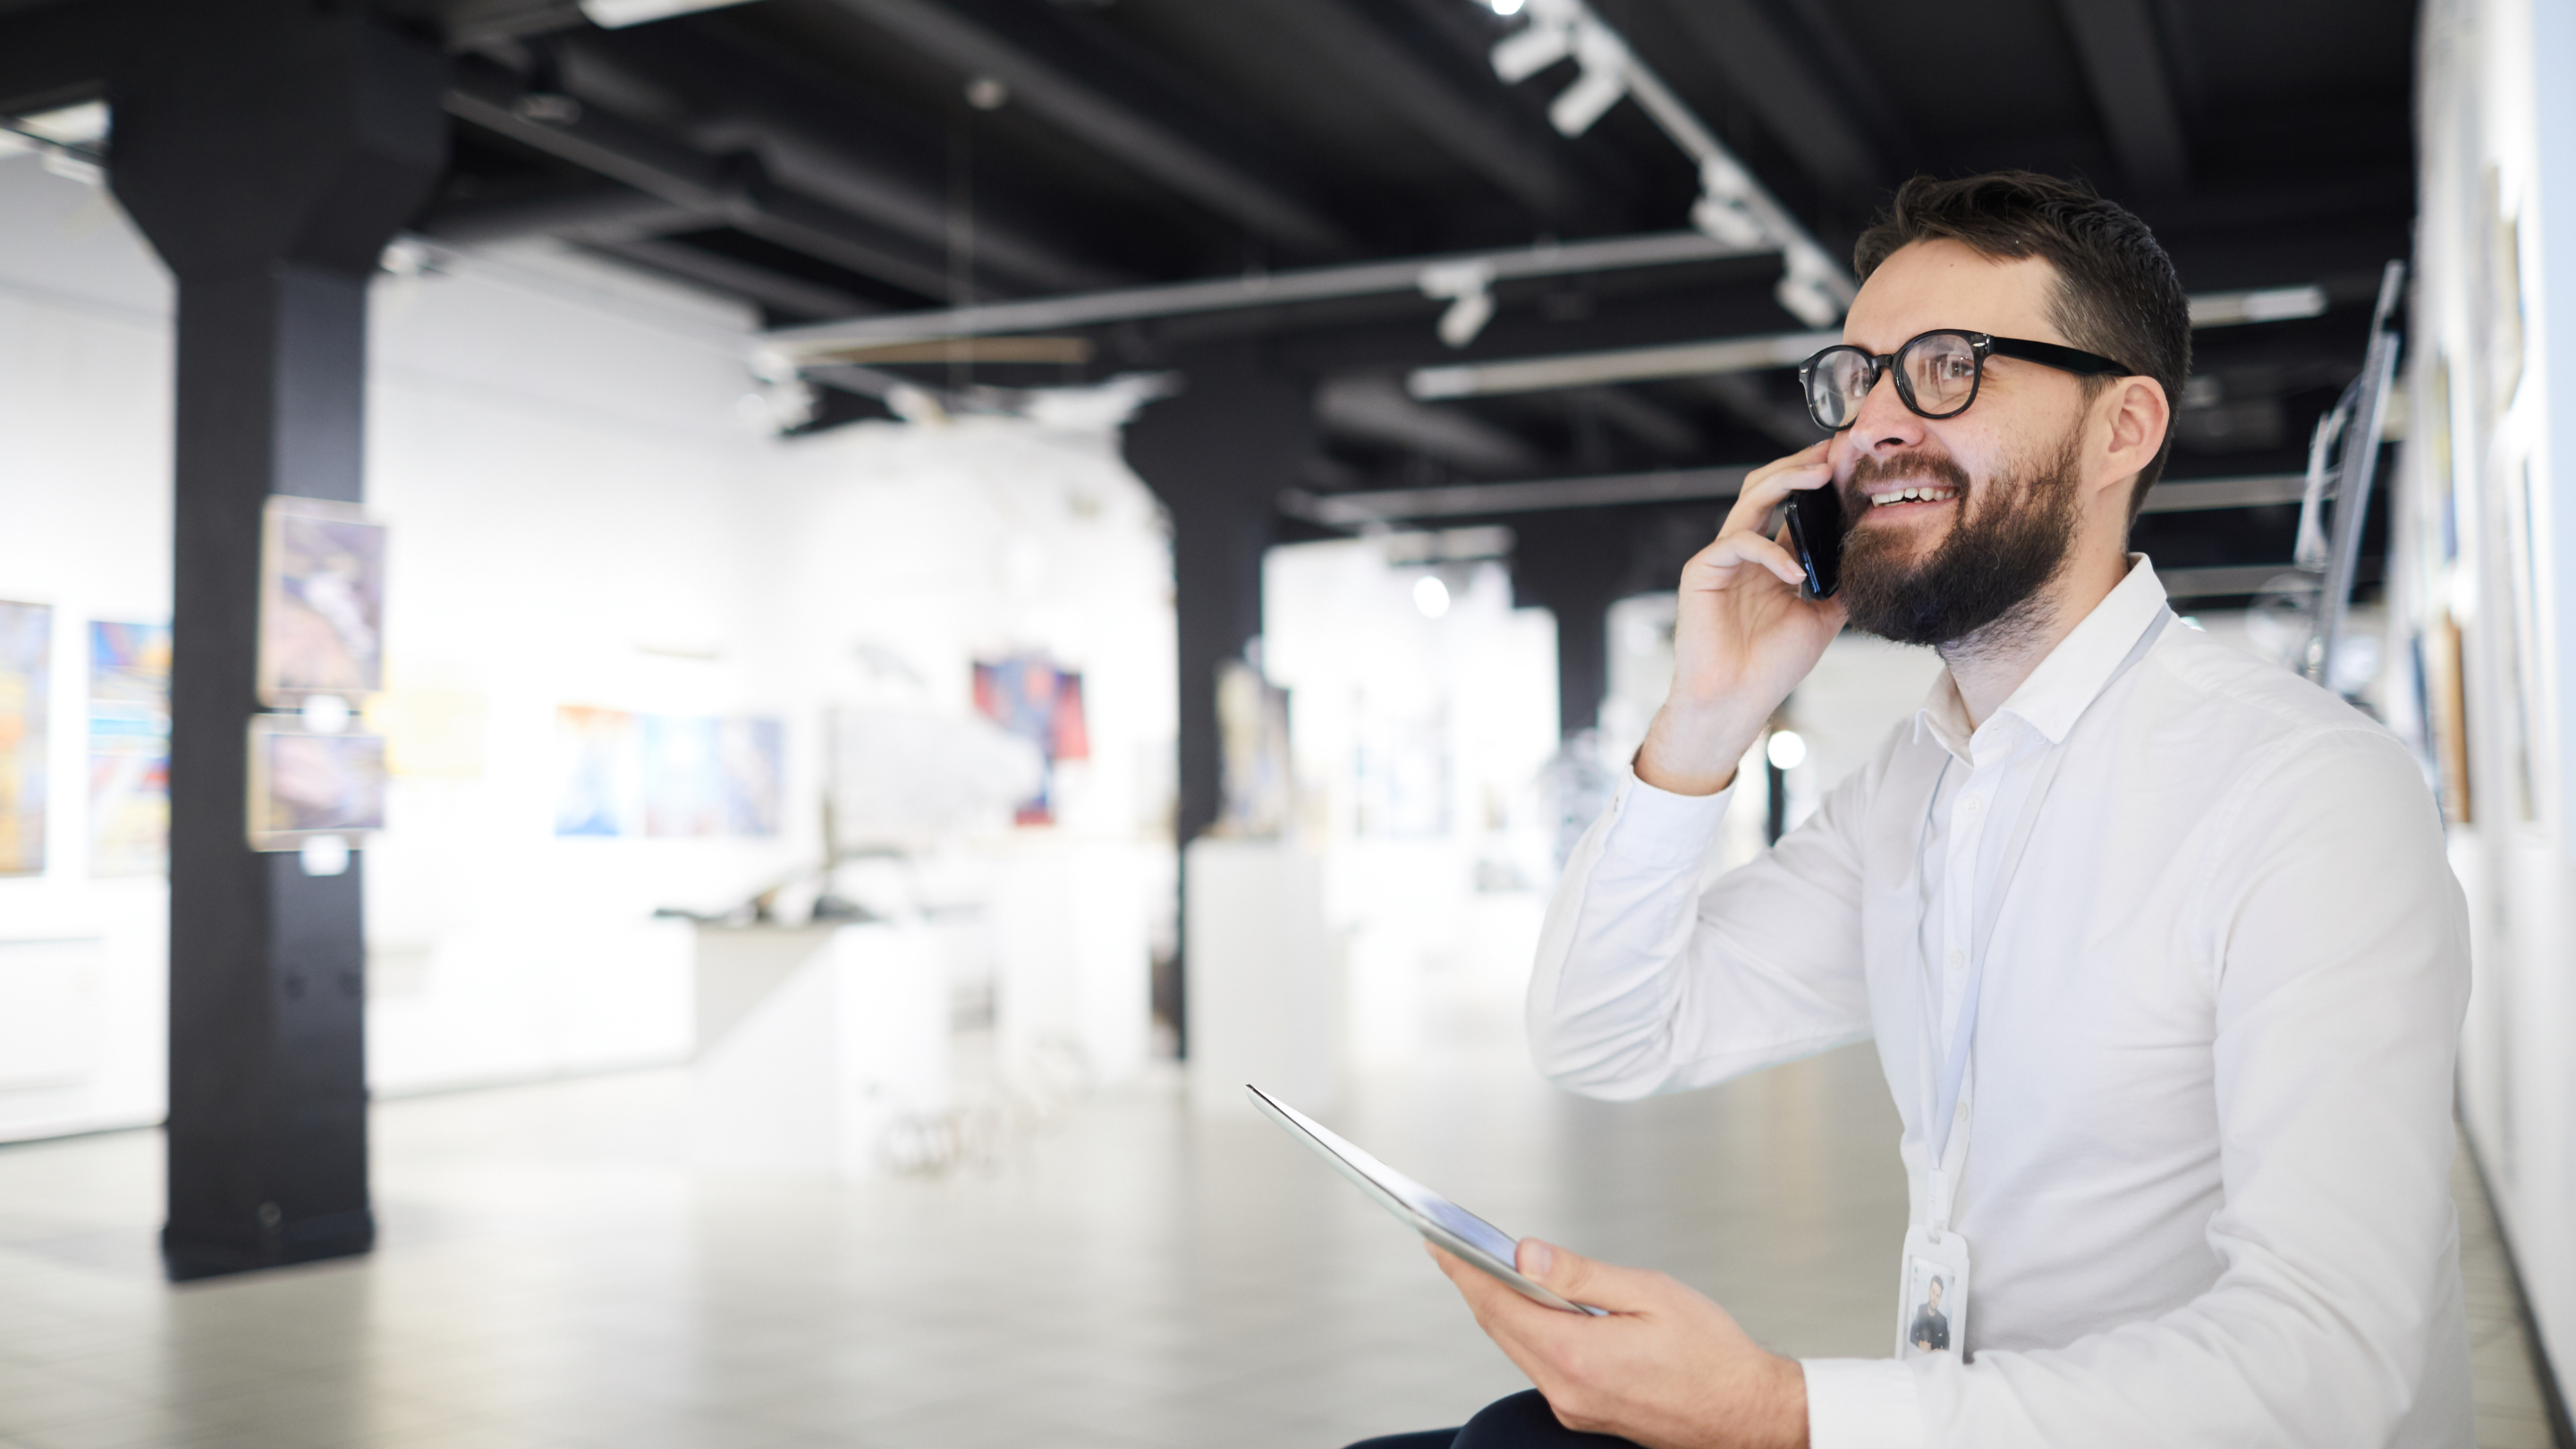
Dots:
pixel 1806 288
pixel 1722 211
pixel 1431 596
pixel 1604 80
pixel 1534 47
pixel 987 93
pixel 1505 7
pixel 1468 287
pixel 618 14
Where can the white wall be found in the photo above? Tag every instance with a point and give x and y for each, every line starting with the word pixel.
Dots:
pixel 2485 537
pixel 84 449
pixel 577 517
pixel 1419 745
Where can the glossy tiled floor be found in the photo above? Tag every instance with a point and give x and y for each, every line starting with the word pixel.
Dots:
pixel 553 1274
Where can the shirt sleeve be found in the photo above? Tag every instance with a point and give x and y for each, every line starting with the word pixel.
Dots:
pixel 1650 978
pixel 2340 945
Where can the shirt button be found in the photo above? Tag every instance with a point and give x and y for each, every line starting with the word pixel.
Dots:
pixel 1973 804
pixel 1958 959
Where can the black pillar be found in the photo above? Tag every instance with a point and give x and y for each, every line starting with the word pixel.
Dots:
pixel 1576 566
pixel 269 149
pixel 1218 456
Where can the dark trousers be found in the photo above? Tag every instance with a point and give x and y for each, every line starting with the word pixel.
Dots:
pixel 1523 1421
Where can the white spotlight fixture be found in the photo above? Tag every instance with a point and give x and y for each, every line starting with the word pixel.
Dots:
pixel 618 14
pixel 1604 58
pixel 1505 7
pixel 1787 750
pixel 1468 287
pixel 1431 596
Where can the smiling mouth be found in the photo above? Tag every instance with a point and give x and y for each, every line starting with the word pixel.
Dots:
pixel 1915 493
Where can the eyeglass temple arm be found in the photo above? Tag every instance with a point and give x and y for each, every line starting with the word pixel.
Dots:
pixel 2064 359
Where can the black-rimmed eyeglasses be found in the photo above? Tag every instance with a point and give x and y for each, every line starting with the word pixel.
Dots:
pixel 1937 374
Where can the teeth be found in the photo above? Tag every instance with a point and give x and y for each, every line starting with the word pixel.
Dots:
pixel 1911 495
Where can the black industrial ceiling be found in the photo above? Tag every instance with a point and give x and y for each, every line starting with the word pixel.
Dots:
pixel 832 159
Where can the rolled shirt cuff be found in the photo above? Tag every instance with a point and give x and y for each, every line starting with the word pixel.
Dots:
pixel 1659 828
pixel 1862 1403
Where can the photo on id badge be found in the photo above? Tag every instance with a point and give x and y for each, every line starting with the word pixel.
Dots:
pixel 1930 1291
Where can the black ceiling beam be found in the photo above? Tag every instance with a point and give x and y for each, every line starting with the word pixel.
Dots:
pixel 780 293
pixel 1268 207
pixel 59 53
pixel 734 187
pixel 595 212
pixel 2116 41
pixel 1810 120
pixel 1524 161
pixel 473 23
pixel 800 142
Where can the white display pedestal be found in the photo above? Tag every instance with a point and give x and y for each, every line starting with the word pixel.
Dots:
pixel 1073 967
pixel 813 1042
pixel 1263 1000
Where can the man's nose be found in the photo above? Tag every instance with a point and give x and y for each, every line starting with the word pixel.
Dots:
pixel 1884 424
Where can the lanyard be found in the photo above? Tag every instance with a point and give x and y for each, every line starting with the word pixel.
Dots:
pixel 1947 1107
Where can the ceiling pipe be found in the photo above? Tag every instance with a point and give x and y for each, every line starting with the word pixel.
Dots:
pixel 1732 205
pixel 1270 289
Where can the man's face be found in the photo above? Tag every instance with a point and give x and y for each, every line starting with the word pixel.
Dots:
pixel 1954 522
pixel 1932 1300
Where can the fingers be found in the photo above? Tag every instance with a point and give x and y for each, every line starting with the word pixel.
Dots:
pixel 1767 486
pixel 1739 547
pixel 1580 1279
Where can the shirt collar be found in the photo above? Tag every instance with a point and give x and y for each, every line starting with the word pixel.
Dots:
pixel 2056 693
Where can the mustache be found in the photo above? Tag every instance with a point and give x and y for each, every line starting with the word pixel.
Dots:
pixel 1917 465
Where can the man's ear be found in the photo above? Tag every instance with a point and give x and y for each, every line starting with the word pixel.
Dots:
pixel 2137 414
pixel 2140 416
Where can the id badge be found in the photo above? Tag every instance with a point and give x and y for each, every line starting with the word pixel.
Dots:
pixel 1932 1306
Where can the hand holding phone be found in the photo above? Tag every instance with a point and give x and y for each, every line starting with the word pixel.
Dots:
pixel 1752 618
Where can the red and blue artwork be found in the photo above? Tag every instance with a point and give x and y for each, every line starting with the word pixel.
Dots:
pixel 1030 697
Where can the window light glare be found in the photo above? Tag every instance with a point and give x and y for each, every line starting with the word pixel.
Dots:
pixel 1431 596
pixel 1787 750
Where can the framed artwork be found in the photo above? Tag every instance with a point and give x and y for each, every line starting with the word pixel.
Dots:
pixel 683 784
pixel 750 770
pixel 26 663
pixel 321 617
pixel 129 748
pixel 1029 697
pixel 304 784
pixel 598 773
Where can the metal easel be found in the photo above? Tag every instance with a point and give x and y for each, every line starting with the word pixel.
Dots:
pixel 2349 437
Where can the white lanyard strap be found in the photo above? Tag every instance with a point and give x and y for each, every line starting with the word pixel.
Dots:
pixel 1946 1104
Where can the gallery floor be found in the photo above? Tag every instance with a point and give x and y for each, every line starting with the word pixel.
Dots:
pixel 552 1273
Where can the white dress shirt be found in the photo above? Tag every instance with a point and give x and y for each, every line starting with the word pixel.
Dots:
pixel 2207 1177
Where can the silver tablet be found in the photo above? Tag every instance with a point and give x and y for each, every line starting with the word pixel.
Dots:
pixel 1427 1212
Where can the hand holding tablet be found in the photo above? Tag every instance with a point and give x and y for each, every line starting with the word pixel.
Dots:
pixel 1470 1237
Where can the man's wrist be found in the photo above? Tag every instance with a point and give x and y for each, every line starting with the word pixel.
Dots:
pixel 1784 1423
pixel 1692 752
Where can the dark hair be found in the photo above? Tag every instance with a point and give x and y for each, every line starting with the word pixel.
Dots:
pixel 2117 293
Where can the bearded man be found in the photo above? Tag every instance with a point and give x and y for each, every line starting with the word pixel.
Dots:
pixel 2157 942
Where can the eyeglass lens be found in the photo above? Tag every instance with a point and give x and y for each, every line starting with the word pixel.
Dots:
pixel 1939 373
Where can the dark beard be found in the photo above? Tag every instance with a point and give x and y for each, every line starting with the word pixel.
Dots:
pixel 1995 559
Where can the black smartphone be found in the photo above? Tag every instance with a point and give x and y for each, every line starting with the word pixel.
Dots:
pixel 1816 528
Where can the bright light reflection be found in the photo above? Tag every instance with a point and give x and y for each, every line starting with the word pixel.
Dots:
pixel 1787 751
pixel 1431 596
pixel 1505 7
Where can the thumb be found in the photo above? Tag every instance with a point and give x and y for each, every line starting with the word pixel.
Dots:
pixel 1571 1275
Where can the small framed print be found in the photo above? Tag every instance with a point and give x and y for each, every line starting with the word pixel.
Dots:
pixel 322 602
pixel 305 784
